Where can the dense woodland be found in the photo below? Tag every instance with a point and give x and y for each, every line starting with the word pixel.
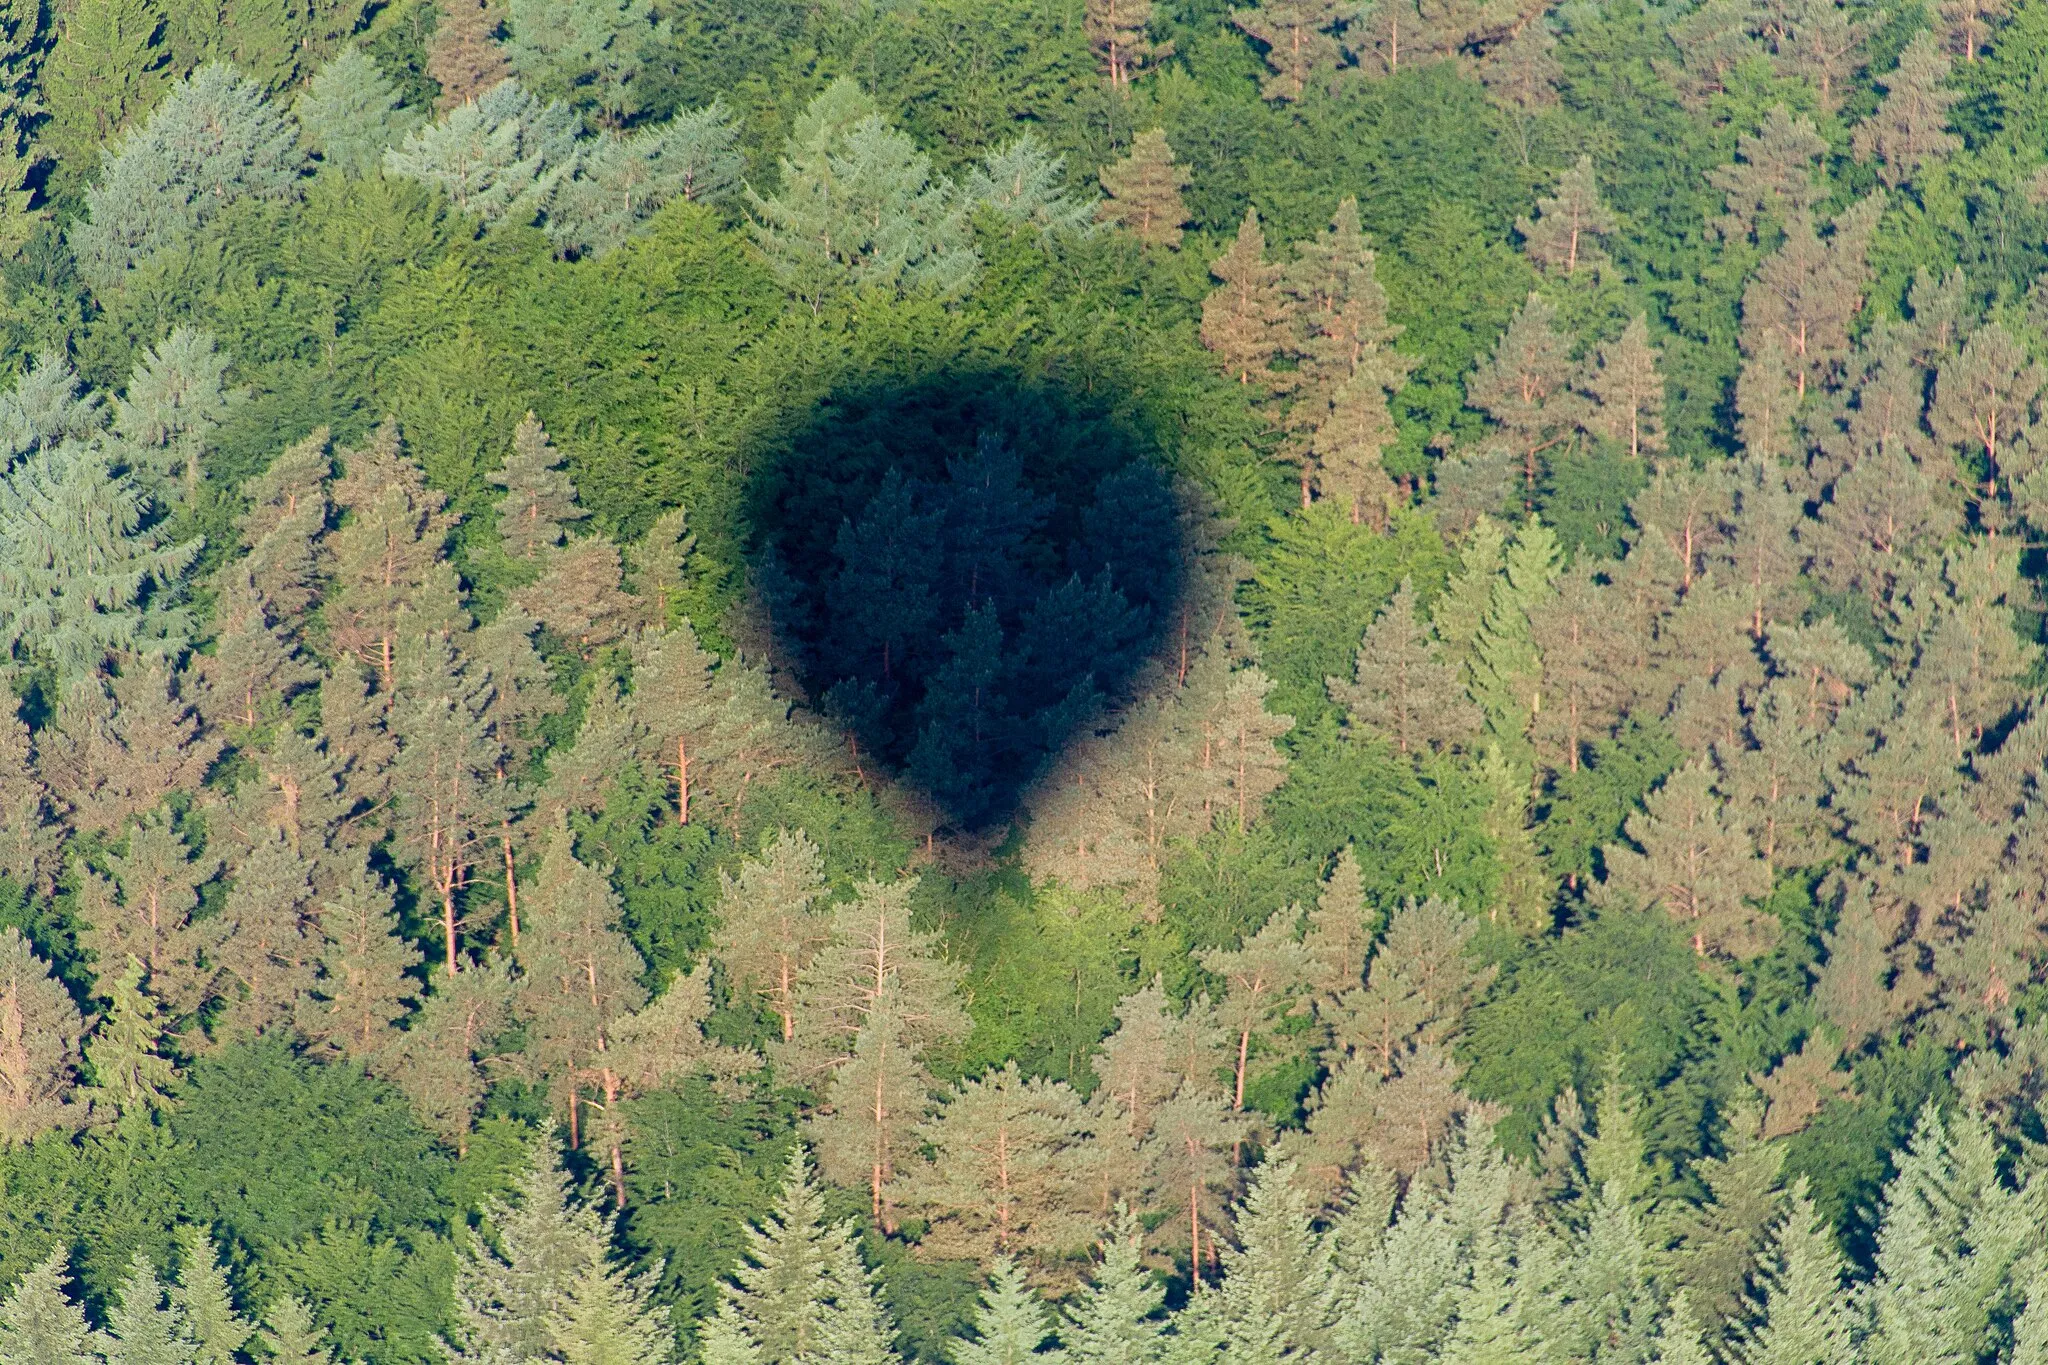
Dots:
pixel 953 680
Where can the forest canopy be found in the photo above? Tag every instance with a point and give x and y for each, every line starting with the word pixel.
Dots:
pixel 1135 681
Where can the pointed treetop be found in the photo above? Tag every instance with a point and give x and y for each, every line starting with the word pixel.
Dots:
pixel 540 500
pixel 1142 192
pixel 1563 237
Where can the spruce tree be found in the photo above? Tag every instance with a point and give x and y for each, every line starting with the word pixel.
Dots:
pixel 292 1337
pixel 177 396
pixel 1243 317
pixel 517 1275
pixel 1120 32
pixel 350 113
pixel 1116 1320
pixel 1298 36
pixel 768 928
pixel 104 71
pixel 203 1300
pixel 1004 1178
pixel 214 140
pixel 39 1322
pixel 622 180
pixel 1011 1322
pixel 128 1069
pixel 142 1328
pixel 1279 1294
pixel 1911 127
pixel 1141 193
pixel 1800 1313
pixel 1504 674
pixel 607 1316
pixel 540 500
pixel 39 1033
pixel 1564 235
pixel 84 571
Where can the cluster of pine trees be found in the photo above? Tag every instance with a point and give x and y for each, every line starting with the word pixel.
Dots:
pixel 739 681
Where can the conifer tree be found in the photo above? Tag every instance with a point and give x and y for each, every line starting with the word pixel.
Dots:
pixel 1278 1297
pixel 391 586
pixel 1984 403
pixel 1242 762
pixel 540 500
pixel 1024 184
pixel 214 140
pixel 1576 636
pixel 1191 1167
pixel 40 1324
pixel 1772 177
pixel 1299 38
pixel 1243 319
pixel 39 1033
pixel 127 1068
pixel 582 51
pixel 1807 294
pixel 123 744
pixel 143 1329
pixel 1628 393
pixel 1262 977
pixel 30 836
pixel 1767 400
pixel 1969 23
pixel 1418 987
pixel 1504 674
pixel 83 572
pixel 1141 193
pixel 1802 1314
pixel 1116 1320
pixel 291 1336
pixel 464 56
pixel 608 1316
pixel 1340 935
pixel 177 396
pixel 1911 127
pixel 1010 1324
pixel 511 1285
pixel 1120 32
pixel 202 1299
pixel 365 984
pixel 270 938
pixel 499 155
pixel 104 71
pixel 1564 235
pixel 768 928
pixel 1702 871
pixel 859 207
pixel 1823 48
pixel 146 912
pixel 350 113
pixel 579 596
pixel 1135 1069
pixel 436 1062
pixel 1523 384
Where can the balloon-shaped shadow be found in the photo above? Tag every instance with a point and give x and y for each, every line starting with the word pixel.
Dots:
pixel 961 570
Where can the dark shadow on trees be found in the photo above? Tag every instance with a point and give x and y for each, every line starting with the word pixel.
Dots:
pixel 962 569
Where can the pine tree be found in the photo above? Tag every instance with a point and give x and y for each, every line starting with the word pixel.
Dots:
pixel 579 596
pixel 1339 937
pixel 540 500
pixel 350 113
pixel 1116 1320
pixel 39 1322
pixel 436 1062
pixel 1120 32
pixel 1298 36
pixel 104 71
pixel 1807 294
pixel 142 1329
pixel 1262 977
pixel 214 140
pixel 1968 23
pixel 1984 403
pixel 1564 234
pixel 1135 1071
pixel 1523 384
pixel 1242 764
pixel 128 1070
pixel 873 959
pixel 1772 177
pixel 768 929
pixel 1004 1179
pixel 270 938
pixel 1191 1167
pixel 291 1336
pixel 1824 48
pixel 1628 393
pixel 146 912
pixel 1243 319
pixel 391 586
pixel 464 57
pixel 83 572
pixel 1702 871
pixel 1418 987
pixel 1141 193
pixel 446 787
pixel 1767 400
pixel 659 565
pixel 1011 1323
pixel 123 744
pixel 1910 128
pixel 1577 638
pixel 31 838
pixel 39 1032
